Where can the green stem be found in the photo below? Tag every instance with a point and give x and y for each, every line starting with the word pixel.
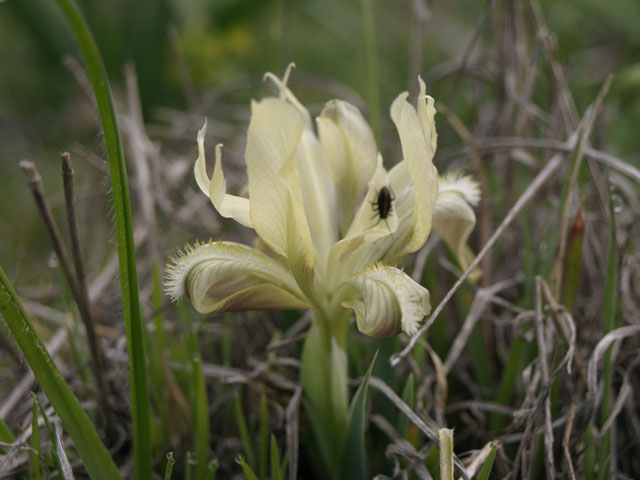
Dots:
pixel 325 385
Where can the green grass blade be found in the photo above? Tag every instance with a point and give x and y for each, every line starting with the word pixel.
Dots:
pixel 243 429
pixel 485 471
pixel 35 467
pixel 200 417
pixel 354 465
pixel 263 437
pixel 248 472
pixel 5 434
pixel 168 470
pixel 53 438
pixel 212 469
pixel 608 324
pixel 75 420
pixel 408 397
pixel 275 459
pixel 124 231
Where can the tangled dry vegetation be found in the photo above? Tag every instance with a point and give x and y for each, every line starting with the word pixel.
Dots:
pixel 540 356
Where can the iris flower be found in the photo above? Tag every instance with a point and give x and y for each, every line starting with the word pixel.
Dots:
pixel 327 239
pixel 312 201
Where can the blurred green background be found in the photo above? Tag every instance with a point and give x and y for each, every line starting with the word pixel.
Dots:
pixel 184 49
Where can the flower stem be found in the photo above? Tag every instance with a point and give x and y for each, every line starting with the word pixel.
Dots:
pixel 325 385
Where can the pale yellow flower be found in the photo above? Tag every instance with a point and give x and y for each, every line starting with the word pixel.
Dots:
pixel 312 197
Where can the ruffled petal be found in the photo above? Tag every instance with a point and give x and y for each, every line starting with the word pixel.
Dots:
pixel 389 301
pixel 417 131
pixel 228 277
pixel 453 217
pixel 229 206
pixel 351 149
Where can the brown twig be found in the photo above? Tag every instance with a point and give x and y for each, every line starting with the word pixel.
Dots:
pixel 524 199
pixel 82 299
pixel 35 184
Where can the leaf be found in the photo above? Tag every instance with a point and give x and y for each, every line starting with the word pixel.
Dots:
pixel 248 472
pixel 354 455
pixel 92 451
pixel 124 231
pixel 488 464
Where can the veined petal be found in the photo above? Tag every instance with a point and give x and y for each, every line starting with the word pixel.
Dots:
pixel 453 217
pixel 229 277
pixel 390 301
pixel 319 195
pixel 277 209
pixel 418 137
pixel 351 148
pixel 229 206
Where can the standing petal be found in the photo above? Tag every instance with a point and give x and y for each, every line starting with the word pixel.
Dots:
pixel 277 209
pixel 391 302
pixel 319 195
pixel 351 148
pixel 418 137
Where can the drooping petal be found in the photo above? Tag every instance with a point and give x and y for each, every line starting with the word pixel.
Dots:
pixel 351 149
pixel 229 206
pixel 453 217
pixel 277 209
pixel 418 138
pixel 228 277
pixel 390 301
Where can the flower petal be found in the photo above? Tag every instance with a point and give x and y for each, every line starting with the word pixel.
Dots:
pixel 368 238
pixel 367 216
pixel 277 209
pixel 453 217
pixel 391 302
pixel 351 148
pixel 229 206
pixel 418 137
pixel 319 195
pixel 228 276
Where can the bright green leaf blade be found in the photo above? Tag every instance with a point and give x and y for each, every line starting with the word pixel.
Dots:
pixel 126 248
pixel 408 397
pixel 169 468
pixel 488 463
pixel 35 468
pixel 248 472
pixel 212 469
pixel 241 422
pixel 275 459
pixel 5 434
pixel 354 455
pixel 263 437
pixel 93 452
